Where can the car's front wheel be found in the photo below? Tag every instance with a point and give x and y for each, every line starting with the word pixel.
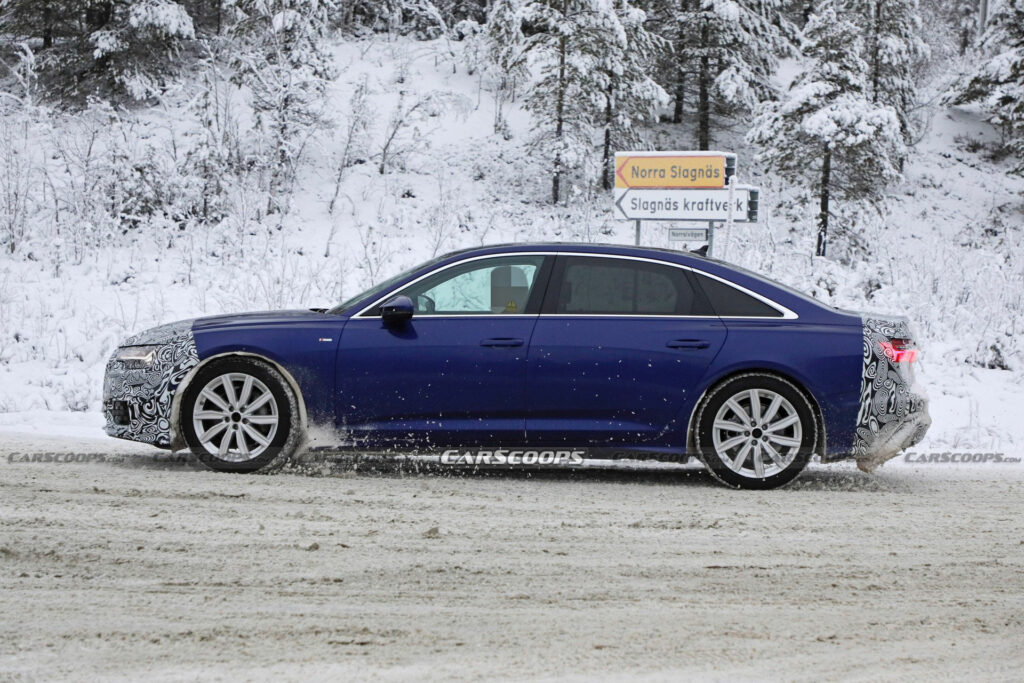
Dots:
pixel 240 415
pixel 756 431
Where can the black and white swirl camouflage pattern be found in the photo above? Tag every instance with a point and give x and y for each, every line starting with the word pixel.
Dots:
pixel 149 391
pixel 891 416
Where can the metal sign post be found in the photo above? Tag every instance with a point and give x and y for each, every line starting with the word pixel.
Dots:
pixel 711 237
pixel 729 221
pixel 638 232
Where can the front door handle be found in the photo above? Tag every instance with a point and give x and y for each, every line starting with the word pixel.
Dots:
pixel 502 341
pixel 688 344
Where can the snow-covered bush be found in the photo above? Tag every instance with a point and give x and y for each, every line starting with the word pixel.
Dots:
pixel 281 60
pixel 403 130
pixel 998 83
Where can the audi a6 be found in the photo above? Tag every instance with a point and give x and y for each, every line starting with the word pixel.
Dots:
pixel 626 351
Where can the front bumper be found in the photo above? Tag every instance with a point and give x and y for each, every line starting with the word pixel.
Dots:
pixel 138 402
pixel 893 408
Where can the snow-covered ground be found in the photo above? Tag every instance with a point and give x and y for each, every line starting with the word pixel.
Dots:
pixel 127 566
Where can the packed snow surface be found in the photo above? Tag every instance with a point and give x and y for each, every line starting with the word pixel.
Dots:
pixel 134 565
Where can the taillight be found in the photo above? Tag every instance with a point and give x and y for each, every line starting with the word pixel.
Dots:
pixel 899 350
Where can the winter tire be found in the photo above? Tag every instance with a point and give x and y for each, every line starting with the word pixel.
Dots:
pixel 240 415
pixel 756 431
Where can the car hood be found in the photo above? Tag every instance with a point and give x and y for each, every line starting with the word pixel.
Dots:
pixel 260 318
pixel 161 334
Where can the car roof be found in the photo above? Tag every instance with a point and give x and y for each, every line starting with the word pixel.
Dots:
pixel 588 247
pixel 564 246
pixel 757 282
pixel 806 307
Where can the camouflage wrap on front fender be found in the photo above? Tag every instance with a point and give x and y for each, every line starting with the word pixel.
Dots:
pixel 149 391
pixel 893 411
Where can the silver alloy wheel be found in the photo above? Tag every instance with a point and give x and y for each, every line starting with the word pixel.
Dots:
pixel 757 433
pixel 235 417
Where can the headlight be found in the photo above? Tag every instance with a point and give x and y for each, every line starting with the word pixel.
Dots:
pixel 137 357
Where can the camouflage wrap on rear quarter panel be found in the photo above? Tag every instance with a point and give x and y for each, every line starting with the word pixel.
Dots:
pixel 149 391
pixel 893 411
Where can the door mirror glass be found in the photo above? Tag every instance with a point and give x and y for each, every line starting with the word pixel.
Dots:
pixel 397 311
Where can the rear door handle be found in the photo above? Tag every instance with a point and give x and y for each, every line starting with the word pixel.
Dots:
pixel 502 341
pixel 688 344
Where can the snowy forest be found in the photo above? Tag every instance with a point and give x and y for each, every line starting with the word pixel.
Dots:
pixel 163 159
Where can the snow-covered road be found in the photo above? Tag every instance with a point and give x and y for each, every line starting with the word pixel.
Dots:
pixel 129 566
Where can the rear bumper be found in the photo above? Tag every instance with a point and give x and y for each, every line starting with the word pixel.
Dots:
pixel 891 438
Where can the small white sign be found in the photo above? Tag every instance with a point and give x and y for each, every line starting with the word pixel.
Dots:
pixel 688 234
pixel 680 205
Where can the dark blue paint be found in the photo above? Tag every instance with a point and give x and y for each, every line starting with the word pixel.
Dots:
pixel 824 359
pixel 607 380
pixel 304 343
pixel 440 381
pixel 545 380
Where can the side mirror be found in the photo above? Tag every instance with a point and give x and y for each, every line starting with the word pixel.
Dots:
pixel 396 311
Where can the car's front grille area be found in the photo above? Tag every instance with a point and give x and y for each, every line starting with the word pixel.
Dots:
pixel 118 412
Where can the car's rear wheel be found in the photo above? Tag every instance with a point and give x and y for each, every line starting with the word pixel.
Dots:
pixel 756 431
pixel 240 415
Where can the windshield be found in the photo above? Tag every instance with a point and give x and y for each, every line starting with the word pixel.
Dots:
pixel 384 286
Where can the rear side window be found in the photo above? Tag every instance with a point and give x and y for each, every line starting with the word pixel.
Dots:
pixel 728 301
pixel 609 286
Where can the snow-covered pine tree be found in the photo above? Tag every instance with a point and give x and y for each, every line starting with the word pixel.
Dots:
pixel 505 49
pixel 671 21
pixel 631 95
pixel 209 16
pixel 571 37
pixel 506 43
pixel 40 23
pixel 893 48
pixel 287 69
pixel 758 33
pixel 799 11
pixel 455 11
pixel 730 46
pixel 827 130
pixel 100 48
pixel 999 82
pixel 964 17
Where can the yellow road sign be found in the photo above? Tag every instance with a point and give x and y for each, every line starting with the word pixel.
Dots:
pixel 670 170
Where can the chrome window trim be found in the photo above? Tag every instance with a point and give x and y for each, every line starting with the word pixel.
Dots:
pixel 787 314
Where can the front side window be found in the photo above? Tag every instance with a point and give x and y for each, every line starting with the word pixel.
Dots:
pixel 489 286
pixel 609 286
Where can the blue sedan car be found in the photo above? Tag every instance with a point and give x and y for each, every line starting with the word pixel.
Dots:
pixel 617 350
